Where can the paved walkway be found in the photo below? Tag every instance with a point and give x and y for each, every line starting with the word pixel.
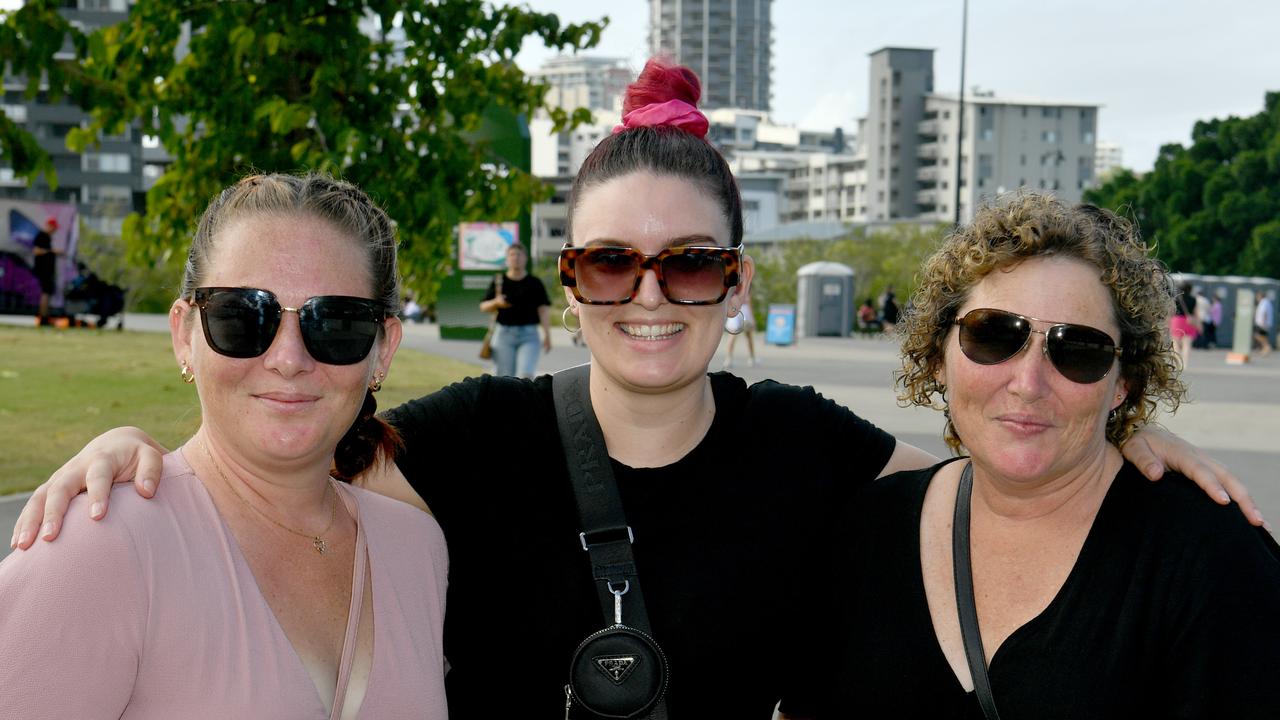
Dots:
pixel 1234 411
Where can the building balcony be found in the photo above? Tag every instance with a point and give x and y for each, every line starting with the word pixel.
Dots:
pixel 928 173
pixel 928 127
pixel 927 197
pixel 928 151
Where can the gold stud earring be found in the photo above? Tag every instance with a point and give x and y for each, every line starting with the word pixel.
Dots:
pixel 187 374
pixel 376 383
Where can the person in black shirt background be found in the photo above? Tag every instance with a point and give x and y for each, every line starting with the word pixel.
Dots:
pixel 521 301
pixel 46 267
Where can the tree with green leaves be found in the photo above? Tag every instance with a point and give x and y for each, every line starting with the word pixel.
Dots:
pixel 1213 207
pixel 388 95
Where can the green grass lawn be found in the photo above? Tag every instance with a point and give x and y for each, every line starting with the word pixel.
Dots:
pixel 59 388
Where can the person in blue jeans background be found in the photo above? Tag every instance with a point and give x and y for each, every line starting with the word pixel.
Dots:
pixel 522 305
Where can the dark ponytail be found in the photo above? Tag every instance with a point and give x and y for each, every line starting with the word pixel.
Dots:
pixel 369 440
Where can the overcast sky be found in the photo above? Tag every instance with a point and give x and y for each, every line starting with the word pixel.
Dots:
pixel 1155 66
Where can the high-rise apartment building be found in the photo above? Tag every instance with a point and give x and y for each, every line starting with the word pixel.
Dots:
pixel 900 80
pixel 729 43
pixel 107 181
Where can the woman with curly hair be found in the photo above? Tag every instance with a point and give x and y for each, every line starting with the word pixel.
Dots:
pixel 1042 576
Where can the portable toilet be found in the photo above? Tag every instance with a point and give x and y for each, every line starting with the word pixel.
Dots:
pixel 824 299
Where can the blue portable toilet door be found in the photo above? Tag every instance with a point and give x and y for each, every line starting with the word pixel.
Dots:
pixel 831 307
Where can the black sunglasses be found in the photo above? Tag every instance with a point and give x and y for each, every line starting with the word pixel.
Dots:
pixel 1081 353
pixel 687 274
pixel 242 323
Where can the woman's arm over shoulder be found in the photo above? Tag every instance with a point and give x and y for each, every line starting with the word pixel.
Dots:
pixel 73 622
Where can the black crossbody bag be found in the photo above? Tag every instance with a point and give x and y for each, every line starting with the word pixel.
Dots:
pixel 618 671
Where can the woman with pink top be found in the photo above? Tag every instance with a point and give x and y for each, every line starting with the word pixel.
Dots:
pixel 256 585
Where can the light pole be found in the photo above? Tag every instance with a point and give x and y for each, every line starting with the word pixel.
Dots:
pixel 964 41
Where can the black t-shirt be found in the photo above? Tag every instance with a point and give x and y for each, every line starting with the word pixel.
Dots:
pixel 526 295
pixel 724 541
pixel 1171 611
pixel 44 266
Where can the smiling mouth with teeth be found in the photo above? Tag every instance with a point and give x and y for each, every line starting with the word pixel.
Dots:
pixel 652 332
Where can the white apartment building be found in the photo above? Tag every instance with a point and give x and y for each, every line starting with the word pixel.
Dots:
pixel 584 81
pixel 1007 144
pixel 1108 159
pixel 909 142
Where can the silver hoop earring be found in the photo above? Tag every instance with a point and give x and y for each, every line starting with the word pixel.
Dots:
pixel 735 323
pixel 564 320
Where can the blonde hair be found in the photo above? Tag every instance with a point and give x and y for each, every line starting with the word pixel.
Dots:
pixel 1023 225
pixel 370 439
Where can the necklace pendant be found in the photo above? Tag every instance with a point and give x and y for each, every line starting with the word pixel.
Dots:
pixel 319 545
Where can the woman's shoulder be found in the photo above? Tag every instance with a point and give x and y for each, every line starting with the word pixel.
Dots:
pixel 905 488
pixel 134 516
pixel 395 518
pixel 1180 513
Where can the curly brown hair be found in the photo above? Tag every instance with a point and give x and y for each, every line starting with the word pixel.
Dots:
pixel 1022 225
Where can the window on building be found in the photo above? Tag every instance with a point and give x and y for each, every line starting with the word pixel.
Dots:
pixel 1049 136
pixel 1041 183
pixel 105 162
pixel 92 194
pixel 986 166
pixel 1024 111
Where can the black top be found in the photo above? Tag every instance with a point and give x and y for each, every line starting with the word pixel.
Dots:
pixel 526 295
pixel 1172 610
pixel 44 265
pixel 723 541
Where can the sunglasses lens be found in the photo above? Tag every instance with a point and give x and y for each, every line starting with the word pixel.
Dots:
pixel 1081 353
pixel 695 275
pixel 606 274
pixel 339 330
pixel 988 337
pixel 240 323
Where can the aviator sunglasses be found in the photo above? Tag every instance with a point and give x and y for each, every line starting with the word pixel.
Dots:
pixel 687 274
pixel 1082 354
pixel 242 323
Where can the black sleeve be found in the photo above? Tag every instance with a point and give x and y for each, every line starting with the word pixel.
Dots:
pixel 1224 622
pixel 829 434
pixel 492 292
pixel 438 431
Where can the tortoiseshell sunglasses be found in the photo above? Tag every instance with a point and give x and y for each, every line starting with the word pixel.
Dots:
pixel 687 274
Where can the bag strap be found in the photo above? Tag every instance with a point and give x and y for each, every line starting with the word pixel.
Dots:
pixel 605 535
pixel 965 603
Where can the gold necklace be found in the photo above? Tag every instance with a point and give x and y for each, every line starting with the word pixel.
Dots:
pixel 317 541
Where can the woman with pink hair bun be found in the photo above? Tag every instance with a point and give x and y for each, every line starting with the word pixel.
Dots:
pixel 725 485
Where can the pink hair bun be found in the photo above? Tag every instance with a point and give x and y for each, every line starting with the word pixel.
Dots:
pixel 664 94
